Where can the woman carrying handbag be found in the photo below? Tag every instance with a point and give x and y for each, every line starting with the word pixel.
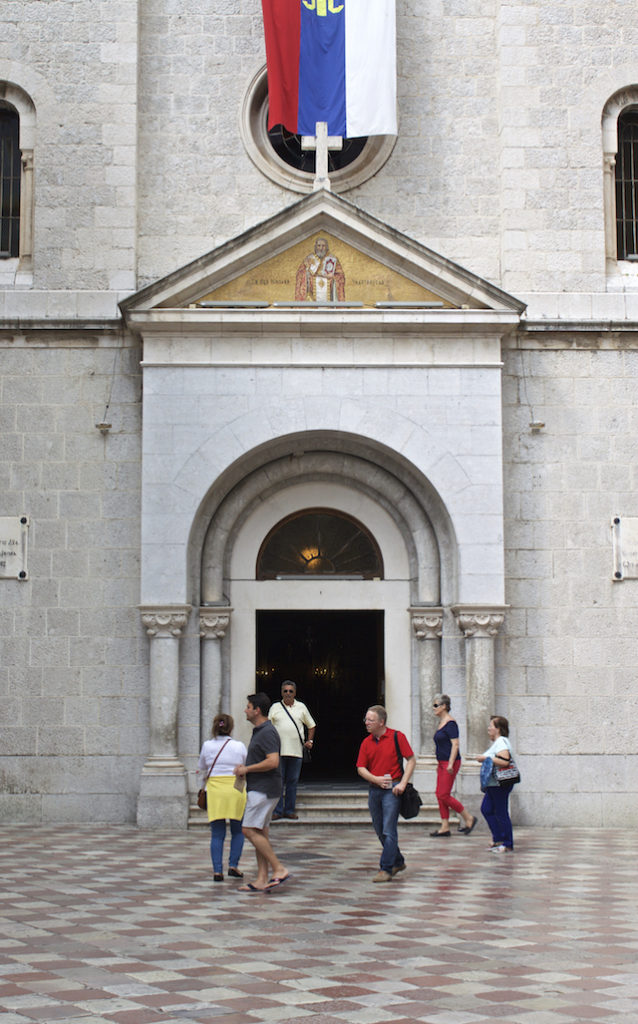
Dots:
pixel 495 808
pixel 224 800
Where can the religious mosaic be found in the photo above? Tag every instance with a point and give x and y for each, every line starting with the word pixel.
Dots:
pixel 322 268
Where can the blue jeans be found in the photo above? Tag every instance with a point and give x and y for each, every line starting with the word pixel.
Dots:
pixel 290 772
pixel 217 837
pixel 384 811
pixel 495 811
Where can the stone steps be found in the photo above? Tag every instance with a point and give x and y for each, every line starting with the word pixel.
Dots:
pixel 332 805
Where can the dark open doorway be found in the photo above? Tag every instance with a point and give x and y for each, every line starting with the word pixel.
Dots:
pixel 336 659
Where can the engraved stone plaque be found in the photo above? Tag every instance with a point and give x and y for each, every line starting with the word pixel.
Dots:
pixel 625 543
pixel 13 547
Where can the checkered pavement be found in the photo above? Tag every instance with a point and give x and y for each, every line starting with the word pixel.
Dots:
pixel 109 925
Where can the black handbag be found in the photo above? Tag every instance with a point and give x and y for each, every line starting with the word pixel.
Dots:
pixel 410 802
pixel 410 798
pixel 508 776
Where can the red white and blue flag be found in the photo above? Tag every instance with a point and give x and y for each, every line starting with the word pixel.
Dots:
pixel 333 61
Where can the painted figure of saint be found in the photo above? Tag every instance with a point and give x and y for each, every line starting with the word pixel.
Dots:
pixel 320 278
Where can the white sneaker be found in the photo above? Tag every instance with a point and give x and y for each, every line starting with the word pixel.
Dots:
pixel 501 849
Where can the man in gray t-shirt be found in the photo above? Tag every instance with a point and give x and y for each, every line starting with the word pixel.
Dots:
pixel 265 740
pixel 263 784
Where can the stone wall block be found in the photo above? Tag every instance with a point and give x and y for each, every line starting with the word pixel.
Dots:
pixel 58 740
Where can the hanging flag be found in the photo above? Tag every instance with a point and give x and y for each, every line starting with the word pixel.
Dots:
pixel 333 61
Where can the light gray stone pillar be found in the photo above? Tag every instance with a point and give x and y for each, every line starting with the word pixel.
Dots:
pixel 479 624
pixel 24 273
pixel 26 208
pixel 427 626
pixel 163 799
pixel 213 625
pixel 609 205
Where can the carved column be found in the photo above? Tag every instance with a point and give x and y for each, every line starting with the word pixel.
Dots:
pixel 163 799
pixel 479 624
pixel 26 210
pixel 213 624
pixel 609 205
pixel 427 626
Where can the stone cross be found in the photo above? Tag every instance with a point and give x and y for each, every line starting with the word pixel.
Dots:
pixel 321 142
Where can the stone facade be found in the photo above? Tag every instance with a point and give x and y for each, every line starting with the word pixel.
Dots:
pixel 74 666
pixel 138 169
pixel 570 636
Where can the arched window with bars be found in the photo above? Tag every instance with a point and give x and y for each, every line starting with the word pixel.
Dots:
pixel 17 199
pixel 627 185
pixel 10 177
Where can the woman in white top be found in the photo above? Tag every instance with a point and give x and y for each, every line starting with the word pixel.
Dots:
pixel 223 798
pixel 494 807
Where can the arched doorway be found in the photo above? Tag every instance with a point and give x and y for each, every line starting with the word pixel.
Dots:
pixel 371 605
pixel 336 658
pixel 415 550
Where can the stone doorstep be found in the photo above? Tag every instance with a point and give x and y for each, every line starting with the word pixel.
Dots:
pixel 334 807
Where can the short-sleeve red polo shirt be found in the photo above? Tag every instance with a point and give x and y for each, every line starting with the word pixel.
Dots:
pixel 379 756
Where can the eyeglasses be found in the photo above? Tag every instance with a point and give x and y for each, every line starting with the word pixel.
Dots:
pixel 438 705
pixel 287 691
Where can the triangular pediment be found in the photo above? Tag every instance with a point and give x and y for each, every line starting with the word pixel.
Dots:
pixel 323 268
pixel 321 250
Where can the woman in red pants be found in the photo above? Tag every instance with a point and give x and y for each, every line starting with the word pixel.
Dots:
pixel 446 740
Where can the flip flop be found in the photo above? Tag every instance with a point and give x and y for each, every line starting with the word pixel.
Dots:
pixel 252 889
pixel 274 883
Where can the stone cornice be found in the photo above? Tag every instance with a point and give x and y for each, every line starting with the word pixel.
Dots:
pixel 63 331
pixel 585 327
pixel 254 322
pixel 167 620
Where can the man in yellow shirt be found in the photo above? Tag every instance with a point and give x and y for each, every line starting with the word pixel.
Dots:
pixel 289 716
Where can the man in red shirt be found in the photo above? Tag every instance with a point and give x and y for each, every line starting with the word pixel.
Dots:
pixel 379 765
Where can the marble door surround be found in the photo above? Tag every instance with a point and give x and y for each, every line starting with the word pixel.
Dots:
pixel 163 800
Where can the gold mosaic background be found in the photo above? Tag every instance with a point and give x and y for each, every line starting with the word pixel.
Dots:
pixel 367 280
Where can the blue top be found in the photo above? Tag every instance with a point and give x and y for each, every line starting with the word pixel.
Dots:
pixel 443 740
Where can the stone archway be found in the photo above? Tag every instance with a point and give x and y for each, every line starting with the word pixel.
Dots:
pixel 417 525
pixel 412 550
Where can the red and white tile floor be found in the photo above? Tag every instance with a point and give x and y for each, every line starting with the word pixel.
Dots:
pixel 108 924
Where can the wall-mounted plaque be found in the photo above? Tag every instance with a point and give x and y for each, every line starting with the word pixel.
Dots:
pixel 13 547
pixel 624 531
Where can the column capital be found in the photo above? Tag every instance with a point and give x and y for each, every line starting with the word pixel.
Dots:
pixel 213 622
pixel 165 620
pixel 479 620
pixel 427 622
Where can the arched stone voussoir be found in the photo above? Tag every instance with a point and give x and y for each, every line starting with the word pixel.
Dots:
pixel 309 422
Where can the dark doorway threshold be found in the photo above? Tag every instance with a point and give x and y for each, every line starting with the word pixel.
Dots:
pixel 336 658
